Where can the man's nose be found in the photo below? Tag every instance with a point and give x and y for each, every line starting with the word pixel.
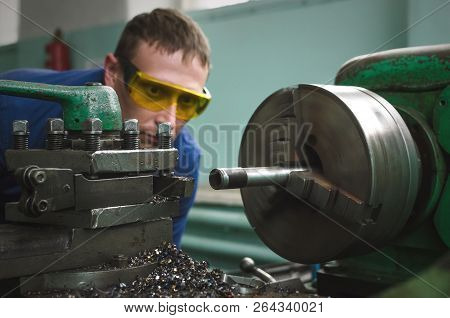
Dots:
pixel 167 115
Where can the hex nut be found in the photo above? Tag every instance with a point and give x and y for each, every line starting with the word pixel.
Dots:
pixel 164 129
pixel 92 126
pixel 20 127
pixel 55 126
pixel 130 126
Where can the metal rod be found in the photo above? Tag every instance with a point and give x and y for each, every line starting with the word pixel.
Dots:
pixel 234 178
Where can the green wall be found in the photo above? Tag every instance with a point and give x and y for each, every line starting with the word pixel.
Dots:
pixel 8 57
pixel 261 47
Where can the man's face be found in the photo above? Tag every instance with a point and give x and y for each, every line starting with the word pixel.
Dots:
pixel 171 68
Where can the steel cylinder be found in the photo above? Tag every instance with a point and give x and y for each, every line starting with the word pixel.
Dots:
pixel 235 178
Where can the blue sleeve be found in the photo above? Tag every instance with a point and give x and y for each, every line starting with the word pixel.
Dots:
pixel 179 223
pixel 188 165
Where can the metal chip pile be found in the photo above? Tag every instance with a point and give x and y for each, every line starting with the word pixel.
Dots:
pixel 176 275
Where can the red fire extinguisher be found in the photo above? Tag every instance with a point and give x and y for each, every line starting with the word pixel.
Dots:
pixel 58 54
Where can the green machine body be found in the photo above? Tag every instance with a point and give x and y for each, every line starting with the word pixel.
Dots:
pixel 79 103
pixel 416 81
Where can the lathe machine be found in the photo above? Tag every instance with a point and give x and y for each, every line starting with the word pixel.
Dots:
pixel 355 172
pixel 92 196
pixel 352 176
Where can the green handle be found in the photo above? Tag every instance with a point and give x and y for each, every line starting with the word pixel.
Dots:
pixel 78 102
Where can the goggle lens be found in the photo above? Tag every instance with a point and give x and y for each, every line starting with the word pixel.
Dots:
pixel 156 95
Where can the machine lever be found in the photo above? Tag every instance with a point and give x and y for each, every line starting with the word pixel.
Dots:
pixel 248 266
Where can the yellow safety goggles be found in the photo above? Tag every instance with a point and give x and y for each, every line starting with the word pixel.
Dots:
pixel 156 95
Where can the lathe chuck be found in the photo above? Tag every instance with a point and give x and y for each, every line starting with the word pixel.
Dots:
pixel 347 136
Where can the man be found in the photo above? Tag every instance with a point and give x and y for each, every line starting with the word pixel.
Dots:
pixel 158 71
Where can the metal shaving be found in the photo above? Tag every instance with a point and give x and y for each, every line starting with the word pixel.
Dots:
pixel 176 275
pixel 157 199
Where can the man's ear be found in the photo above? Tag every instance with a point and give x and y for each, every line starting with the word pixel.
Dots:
pixel 113 71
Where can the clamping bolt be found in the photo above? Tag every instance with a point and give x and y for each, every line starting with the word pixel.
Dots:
pixel 55 134
pixel 21 134
pixel 92 131
pixel 164 135
pixel 130 134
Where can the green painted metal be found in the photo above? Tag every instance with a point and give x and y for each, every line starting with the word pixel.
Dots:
pixel 414 72
pixel 442 216
pixel 78 102
pixel 441 120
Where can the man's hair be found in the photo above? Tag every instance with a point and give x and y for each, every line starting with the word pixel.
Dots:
pixel 169 30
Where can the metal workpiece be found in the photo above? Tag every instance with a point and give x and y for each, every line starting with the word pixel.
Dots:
pixel 55 134
pixel 235 178
pixel 78 102
pixel 98 162
pixel 164 134
pixel 363 178
pixel 130 134
pixel 20 134
pixel 310 187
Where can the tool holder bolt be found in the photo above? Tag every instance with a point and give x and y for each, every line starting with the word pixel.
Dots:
pixel 55 134
pixel 41 207
pixel 130 134
pixel 92 131
pixel 38 176
pixel 164 135
pixel 21 134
